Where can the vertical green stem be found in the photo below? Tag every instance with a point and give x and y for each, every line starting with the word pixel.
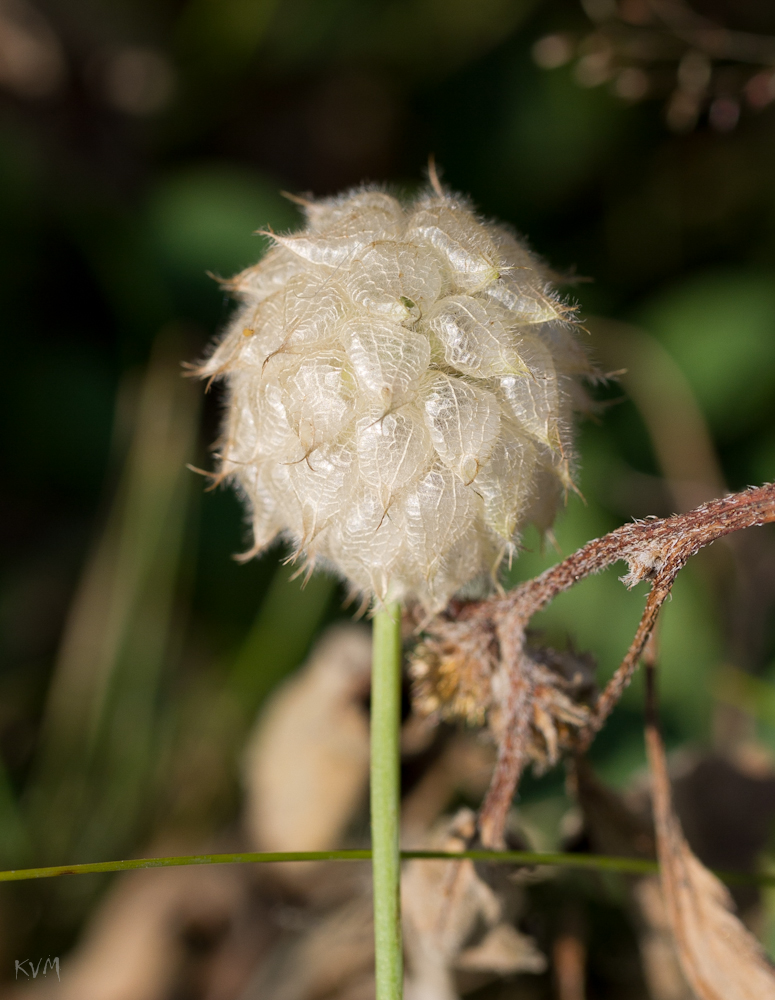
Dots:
pixel 386 800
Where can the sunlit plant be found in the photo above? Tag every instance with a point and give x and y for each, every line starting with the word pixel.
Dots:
pixel 401 380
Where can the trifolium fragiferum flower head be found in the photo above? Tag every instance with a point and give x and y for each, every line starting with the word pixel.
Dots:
pixel 401 380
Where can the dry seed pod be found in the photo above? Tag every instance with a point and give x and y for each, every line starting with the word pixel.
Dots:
pixel 401 380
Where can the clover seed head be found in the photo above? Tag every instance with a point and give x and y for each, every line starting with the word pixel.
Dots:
pixel 401 379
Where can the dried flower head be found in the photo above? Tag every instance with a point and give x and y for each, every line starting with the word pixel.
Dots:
pixel 456 676
pixel 401 382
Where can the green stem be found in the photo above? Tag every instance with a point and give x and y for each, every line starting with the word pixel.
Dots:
pixel 386 800
pixel 595 862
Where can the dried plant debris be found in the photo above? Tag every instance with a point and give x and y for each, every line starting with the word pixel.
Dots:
pixel 477 664
pixel 719 957
pixel 333 958
pixel 459 680
pixel 149 933
pixel 452 670
pixel 621 824
pixel 661 967
pixel 455 923
pixel 458 934
pixel 305 932
pixel 462 767
pixel 726 805
pixel 307 763
pixel 614 823
pixel 302 758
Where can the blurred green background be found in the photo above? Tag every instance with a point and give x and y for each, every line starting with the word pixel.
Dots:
pixel 141 145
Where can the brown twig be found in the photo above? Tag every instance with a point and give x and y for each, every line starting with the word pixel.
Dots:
pixel 654 550
pixel 569 953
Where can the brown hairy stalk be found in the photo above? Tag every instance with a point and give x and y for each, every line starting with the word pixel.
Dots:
pixel 534 709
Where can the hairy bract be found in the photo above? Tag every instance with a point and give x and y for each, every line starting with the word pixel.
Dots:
pixel 401 380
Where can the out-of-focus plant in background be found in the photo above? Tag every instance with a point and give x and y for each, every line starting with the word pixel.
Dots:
pixel 141 145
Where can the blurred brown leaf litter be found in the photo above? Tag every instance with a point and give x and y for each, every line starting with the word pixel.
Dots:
pixel 305 773
pixel 303 930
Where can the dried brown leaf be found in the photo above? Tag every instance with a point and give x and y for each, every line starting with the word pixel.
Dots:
pixel 444 905
pixel 661 969
pixel 333 959
pixel 719 957
pixel 622 825
pixel 307 763
pixel 504 951
pixel 134 945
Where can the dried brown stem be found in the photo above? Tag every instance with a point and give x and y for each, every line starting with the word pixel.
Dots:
pixel 623 675
pixel 512 757
pixel 654 550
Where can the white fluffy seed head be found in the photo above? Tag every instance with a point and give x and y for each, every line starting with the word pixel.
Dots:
pixel 401 380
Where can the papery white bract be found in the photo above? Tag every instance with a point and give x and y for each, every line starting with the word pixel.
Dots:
pixel 401 380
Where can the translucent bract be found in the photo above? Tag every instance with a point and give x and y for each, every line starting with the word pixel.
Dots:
pixel 401 380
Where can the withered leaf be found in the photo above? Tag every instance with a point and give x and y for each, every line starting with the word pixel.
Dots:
pixel 134 945
pixel 719 957
pixel 656 943
pixel 504 951
pixel 307 762
pixel 334 958
pixel 445 904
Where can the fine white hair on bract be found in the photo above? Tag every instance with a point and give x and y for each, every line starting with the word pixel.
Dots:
pixel 401 380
